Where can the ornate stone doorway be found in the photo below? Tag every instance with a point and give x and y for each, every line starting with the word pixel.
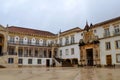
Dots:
pixel 89 55
pixel 1 44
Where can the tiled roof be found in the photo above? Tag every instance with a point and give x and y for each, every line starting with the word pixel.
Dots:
pixel 29 31
pixel 76 28
pixel 107 21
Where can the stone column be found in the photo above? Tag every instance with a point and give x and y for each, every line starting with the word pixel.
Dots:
pixel 33 52
pixel 16 50
pixel 28 52
pixel 23 52
pixel 47 53
pixel 52 52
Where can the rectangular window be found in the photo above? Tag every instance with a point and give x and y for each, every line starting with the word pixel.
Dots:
pixel 30 53
pixel 60 53
pixel 29 61
pixel 45 55
pixel 72 39
pixel 81 34
pixel 118 58
pixel 20 61
pixel 29 41
pixel 72 51
pixel 116 29
pixel 106 32
pixel 20 52
pixel 11 50
pixel 11 40
pixel 66 51
pixel 108 46
pixel 61 42
pixel 36 53
pixel 10 60
pixel 39 61
pixel 37 42
pixel 67 40
pixel 21 41
pixel 44 42
pixel 117 43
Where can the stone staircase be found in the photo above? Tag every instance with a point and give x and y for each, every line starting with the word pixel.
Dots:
pixel 63 63
pixel 3 61
pixel 57 62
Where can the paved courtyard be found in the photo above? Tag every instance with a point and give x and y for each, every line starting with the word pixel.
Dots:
pixel 60 74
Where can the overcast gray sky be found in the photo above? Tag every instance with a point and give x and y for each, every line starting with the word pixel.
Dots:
pixel 53 15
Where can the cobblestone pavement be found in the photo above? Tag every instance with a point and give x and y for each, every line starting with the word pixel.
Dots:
pixel 60 74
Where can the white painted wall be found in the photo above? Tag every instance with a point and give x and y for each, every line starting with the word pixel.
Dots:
pixel 113 51
pixel 99 32
pixel 43 61
pixel 76 52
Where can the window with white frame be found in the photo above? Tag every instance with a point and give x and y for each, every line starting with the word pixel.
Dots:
pixel 29 41
pixel 29 61
pixel 21 41
pixel 44 42
pixel 39 61
pixel 60 53
pixel 60 41
pixel 72 51
pixel 72 39
pixel 116 29
pixel 108 46
pixel 117 43
pixel 20 61
pixel 66 51
pixel 36 53
pixel 37 42
pixel 12 39
pixel 106 32
pixel 10 60
pixel 11 50
pixel 67 40
pixel 20 52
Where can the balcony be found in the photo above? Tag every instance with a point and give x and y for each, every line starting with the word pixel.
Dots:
pixel 11 42
pixel 27 43
pixel 106 34
pixel 12 53
pixel 116 33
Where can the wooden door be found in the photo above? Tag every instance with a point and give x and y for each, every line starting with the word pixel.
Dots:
pixel 108 60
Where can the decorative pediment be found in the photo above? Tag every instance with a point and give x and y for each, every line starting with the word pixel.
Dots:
pixel 89 38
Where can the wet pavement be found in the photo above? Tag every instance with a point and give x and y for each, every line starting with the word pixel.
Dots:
pixel 60 74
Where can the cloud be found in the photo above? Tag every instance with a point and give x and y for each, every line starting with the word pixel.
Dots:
pixel 55 14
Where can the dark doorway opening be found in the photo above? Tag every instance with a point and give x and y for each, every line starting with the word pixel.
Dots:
pixel 50 54
pixel 89 57
pixel 74 61
pixel 47 63
pixel 1 51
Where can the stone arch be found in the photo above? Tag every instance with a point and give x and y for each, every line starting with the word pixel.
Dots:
pixel 68 60
pixel 3 43
pixel 74 61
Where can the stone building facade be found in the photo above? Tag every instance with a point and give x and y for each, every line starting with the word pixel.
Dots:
pixel 95 45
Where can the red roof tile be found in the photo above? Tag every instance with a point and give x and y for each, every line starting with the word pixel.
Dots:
pixel 29 31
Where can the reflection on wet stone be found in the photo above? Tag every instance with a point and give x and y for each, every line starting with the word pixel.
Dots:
pixel 60 74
